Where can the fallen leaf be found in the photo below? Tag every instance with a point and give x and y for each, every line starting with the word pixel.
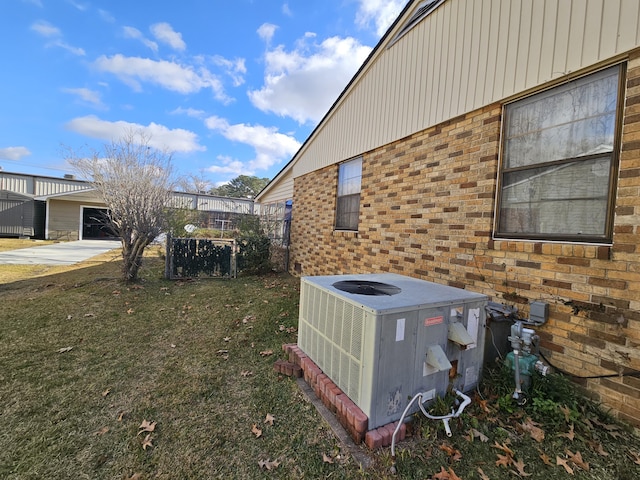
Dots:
pixel 452 452
pixel 570 434
pixel 577 459
pixel 483 406
pixel 520 467
pixel 269 419
pixel 504 460
pixel 69 317
pixel 597 447
pixel 266 353
pixel 147 442
pixel 102 431
pixel 256 431
pixel 567 412
pixel 268 464
pixel 106 392
pixel 441 475
pixel 545 458
pixel 130 311
pixel 246 373
pixel 503 447
pixel 135 476
pixel 483 476
pixel 173 345
pixel 452 475
pixel 226 339
pixel 121 415
pixel 147 426
pixel 635 457
pixel 476 434
pixel 563 462
pixel 65 349
pixel 532 429
pixel 87 315
pixel 326 458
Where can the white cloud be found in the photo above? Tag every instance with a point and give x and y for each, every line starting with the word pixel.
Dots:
pixel 47 30
pixel 304 83
pixel 266 31
pixel 286 10
pixel 14 153
pixel 165 33
pixel 229 166
pixel 170 75
pixel 190 112
pixel 160 137
pixel 381 12
pixel 235 68
pixel 70 48
pixel 131 32
pixel 270 146
pixel 80 6
pixel 106 16
pixel 89 96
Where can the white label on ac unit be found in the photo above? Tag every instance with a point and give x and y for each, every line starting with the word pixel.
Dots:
pixel 400 329
pixel 473 320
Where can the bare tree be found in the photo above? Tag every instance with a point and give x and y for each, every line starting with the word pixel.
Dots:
pixel 194 183
pixel 135 182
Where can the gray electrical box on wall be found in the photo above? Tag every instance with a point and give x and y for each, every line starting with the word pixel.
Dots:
pixel 382 338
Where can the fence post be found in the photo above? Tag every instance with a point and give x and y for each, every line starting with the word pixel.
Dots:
pixel 168 259
pixel 234 266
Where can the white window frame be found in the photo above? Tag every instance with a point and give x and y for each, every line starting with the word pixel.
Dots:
pixel 348 195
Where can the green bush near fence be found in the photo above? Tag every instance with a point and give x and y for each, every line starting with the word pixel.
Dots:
pixel 254 254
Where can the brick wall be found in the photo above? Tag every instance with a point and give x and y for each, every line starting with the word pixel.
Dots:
pixel 427 206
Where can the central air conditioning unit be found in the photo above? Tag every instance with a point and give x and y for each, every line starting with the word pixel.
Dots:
pixel 382 338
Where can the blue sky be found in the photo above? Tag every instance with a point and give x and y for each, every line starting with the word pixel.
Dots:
pixel 229 87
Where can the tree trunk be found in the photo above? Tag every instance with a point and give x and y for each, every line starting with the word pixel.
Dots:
pixel 132 257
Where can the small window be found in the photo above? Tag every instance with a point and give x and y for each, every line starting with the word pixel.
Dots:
pixel 348 201
pixel 559 162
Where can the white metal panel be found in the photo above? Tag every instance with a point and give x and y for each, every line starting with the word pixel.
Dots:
pixel 15 183
pixel 461 57
pixel 53 186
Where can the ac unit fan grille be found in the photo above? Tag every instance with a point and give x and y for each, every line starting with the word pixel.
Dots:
pixel 331 335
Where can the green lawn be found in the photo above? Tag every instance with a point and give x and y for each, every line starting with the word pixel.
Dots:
pixel 86 359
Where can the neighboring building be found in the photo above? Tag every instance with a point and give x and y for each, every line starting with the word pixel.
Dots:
pixel 69 209
pixel 493 146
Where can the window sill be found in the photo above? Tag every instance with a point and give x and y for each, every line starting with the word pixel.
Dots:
pixel 345 233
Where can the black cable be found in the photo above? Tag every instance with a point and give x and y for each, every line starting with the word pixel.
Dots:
pixel 635 373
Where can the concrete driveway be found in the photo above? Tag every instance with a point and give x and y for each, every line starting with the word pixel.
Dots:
pixel 66 253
